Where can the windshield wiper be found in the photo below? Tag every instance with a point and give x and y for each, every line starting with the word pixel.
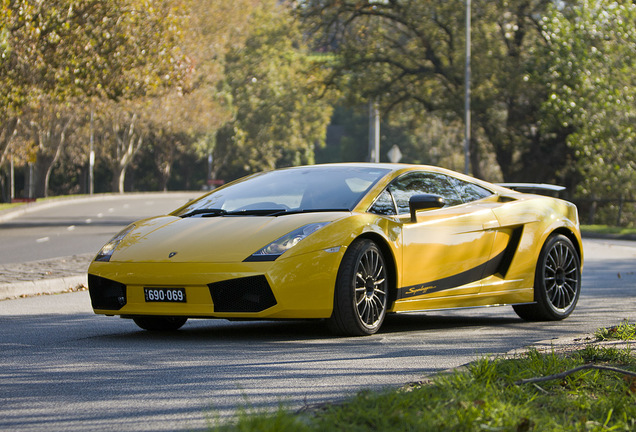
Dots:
pixel 257 212
pixel 221 212
pixel 205 213
pixel 254 212
pixel 297 211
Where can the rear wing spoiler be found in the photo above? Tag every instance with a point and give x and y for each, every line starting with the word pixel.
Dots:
pixel 540 188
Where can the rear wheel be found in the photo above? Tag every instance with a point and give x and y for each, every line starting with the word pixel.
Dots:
pixel 360 298
pixel 557 282
pixel 159 323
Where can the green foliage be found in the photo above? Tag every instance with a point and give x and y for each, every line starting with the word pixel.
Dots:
pixel 553 83
pixel 60 55
pixel 623 331
pixel 113 49
pixel 590 65
pixel 485 396
pixel 350 137
pixel 271 87
pixel 409 55
pixel 553 87
pixel 165 81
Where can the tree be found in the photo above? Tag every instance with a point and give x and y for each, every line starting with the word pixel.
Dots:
pixel 61 50
pixel 409 55
pixel 591 73
pixel 109 49
pixel 185 123
pixel 122 128
pixel 46 126
pixel 272 88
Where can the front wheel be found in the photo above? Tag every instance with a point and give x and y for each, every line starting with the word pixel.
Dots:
pixel 557 282
pixel 360 298
pixel 159 323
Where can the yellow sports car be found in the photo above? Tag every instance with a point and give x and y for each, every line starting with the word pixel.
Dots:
pixel 345 243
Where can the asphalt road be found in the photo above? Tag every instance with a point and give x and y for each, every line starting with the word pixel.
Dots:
pixel 64 369
pixel 65 228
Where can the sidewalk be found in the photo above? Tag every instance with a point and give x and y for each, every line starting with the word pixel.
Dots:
pixel 44 277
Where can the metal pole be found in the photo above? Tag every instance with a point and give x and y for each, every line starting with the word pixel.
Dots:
pixel 374 132
pixel 467 93
pixel 31 184
pixel 91 160
pixel 11 178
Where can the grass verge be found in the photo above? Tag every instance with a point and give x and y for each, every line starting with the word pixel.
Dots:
pixel 607 230
pixel 7 206
pixel 488 395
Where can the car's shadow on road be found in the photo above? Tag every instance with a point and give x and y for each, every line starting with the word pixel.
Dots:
pixel 294 330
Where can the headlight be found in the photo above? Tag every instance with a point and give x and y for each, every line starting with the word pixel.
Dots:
pixel 284 243
pixel 107 251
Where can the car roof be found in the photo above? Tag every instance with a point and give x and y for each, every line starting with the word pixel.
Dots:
pixel 400 168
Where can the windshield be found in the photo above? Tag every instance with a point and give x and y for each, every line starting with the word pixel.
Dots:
pixel 314 188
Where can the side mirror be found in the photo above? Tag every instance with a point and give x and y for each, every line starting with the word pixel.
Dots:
pixel 424 202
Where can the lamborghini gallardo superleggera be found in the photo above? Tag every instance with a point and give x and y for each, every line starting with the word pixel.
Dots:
pixel 347 244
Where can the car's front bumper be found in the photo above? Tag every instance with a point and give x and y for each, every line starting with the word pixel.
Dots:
pixel 296 287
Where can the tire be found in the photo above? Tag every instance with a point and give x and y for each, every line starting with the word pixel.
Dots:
pixel 160 323
pixel 361 292
pixel 557 282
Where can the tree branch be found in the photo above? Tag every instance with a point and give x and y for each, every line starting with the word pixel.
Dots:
pixel 571 371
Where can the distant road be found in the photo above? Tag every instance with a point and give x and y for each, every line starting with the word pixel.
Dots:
pixel 78 226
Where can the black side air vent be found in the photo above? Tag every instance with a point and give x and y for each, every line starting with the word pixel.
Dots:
pixel 509 252
pixel 248 294
pixel 105 293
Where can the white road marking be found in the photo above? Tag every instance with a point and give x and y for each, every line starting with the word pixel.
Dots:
pixel 42 240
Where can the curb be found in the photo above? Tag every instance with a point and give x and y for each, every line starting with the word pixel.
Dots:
pixel 42 286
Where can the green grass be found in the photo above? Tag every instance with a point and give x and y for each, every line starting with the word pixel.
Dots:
pixel 6 206
pixel 605 229
pixel 484 396
pixel 624 331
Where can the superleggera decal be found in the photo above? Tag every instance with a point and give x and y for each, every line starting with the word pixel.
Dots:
pixel 486 269
pixel 499 264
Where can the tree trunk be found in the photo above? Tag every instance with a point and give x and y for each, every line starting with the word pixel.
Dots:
pixel 8 131
pixel 126 159
pixel 58 153
pixel 475 158
pixel 127 148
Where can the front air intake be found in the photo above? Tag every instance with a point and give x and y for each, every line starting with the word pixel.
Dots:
pixel 105 293
pixel 248 294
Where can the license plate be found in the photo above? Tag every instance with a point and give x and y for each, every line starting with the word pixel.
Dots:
pixel 170 295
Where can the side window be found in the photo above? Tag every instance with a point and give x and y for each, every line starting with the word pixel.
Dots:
pixel 383 205
pixel 422 183
pixel 470 191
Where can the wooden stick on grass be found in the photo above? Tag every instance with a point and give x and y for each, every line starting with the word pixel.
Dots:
pixel 571 371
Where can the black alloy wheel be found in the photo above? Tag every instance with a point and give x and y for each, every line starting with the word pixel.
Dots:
pixel 361 294
pixel 557 283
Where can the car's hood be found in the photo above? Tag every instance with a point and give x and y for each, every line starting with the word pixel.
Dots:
pixel 207 239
